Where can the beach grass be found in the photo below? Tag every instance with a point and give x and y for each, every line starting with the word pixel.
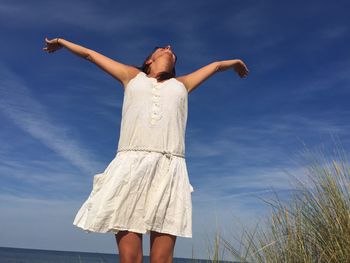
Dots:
pixel 313 226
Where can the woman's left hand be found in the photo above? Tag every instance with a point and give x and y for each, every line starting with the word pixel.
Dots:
pixel 52 45
pixel 241 68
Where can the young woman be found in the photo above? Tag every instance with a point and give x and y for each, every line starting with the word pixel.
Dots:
pixel 146 189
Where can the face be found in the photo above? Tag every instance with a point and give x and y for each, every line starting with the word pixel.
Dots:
pixel 164 51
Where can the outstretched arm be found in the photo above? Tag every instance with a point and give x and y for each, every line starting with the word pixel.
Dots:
pixel 118 70
pixel 194 79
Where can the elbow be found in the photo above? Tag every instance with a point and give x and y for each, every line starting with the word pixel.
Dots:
pixel 88 56
pixel 216 66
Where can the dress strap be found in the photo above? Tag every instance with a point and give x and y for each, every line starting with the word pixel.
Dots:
pixel 167 153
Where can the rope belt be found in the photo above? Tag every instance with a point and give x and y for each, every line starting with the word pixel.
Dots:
pixel 167 153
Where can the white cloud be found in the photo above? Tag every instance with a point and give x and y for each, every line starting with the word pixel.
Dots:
pixel 333 33
pixel 235 161
pixel 324 79
pixel 19 105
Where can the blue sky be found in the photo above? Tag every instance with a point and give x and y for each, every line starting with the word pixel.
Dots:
pixel 60 115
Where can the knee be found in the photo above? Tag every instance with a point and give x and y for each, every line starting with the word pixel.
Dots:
pixel 129 246
pixel 161 258
pixel 130 256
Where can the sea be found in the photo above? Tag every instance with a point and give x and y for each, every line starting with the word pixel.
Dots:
pixel 24 255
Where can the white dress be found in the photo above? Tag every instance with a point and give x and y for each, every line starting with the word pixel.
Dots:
pixel 146 186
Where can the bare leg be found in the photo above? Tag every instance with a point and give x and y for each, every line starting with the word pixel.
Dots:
pixel 162 247
pixel 129 246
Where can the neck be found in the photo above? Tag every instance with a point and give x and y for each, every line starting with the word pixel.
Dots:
pixel 157 68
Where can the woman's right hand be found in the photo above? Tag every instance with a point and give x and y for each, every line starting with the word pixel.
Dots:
pixel 240 68
pixel 52 45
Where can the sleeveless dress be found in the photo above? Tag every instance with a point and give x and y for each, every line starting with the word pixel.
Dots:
pixel 146 186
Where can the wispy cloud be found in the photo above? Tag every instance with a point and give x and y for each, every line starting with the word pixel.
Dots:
pixel 267 136
pixel 34 219
pixel 248 142
pixel 335 75
pixel 90 16
pixel 236 161
pixel 333 33
pixel 18 104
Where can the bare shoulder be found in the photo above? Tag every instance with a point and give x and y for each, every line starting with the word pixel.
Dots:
pixel 183 80
pixel 132 73
pixel 197 77
pixel 180 78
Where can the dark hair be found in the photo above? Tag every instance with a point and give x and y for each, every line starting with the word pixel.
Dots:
pixel 162 75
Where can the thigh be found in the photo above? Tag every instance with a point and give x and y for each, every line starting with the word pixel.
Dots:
pixel 129 246
pixel 162 247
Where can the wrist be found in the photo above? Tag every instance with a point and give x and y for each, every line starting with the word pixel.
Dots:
pixel 235 62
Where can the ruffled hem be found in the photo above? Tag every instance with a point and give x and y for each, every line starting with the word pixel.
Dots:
pixel 146 231
pixel 139 192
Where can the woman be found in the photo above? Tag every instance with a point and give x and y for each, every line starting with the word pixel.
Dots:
pixel 145 188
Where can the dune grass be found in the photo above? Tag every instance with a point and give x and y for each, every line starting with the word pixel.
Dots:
pixel 313 226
